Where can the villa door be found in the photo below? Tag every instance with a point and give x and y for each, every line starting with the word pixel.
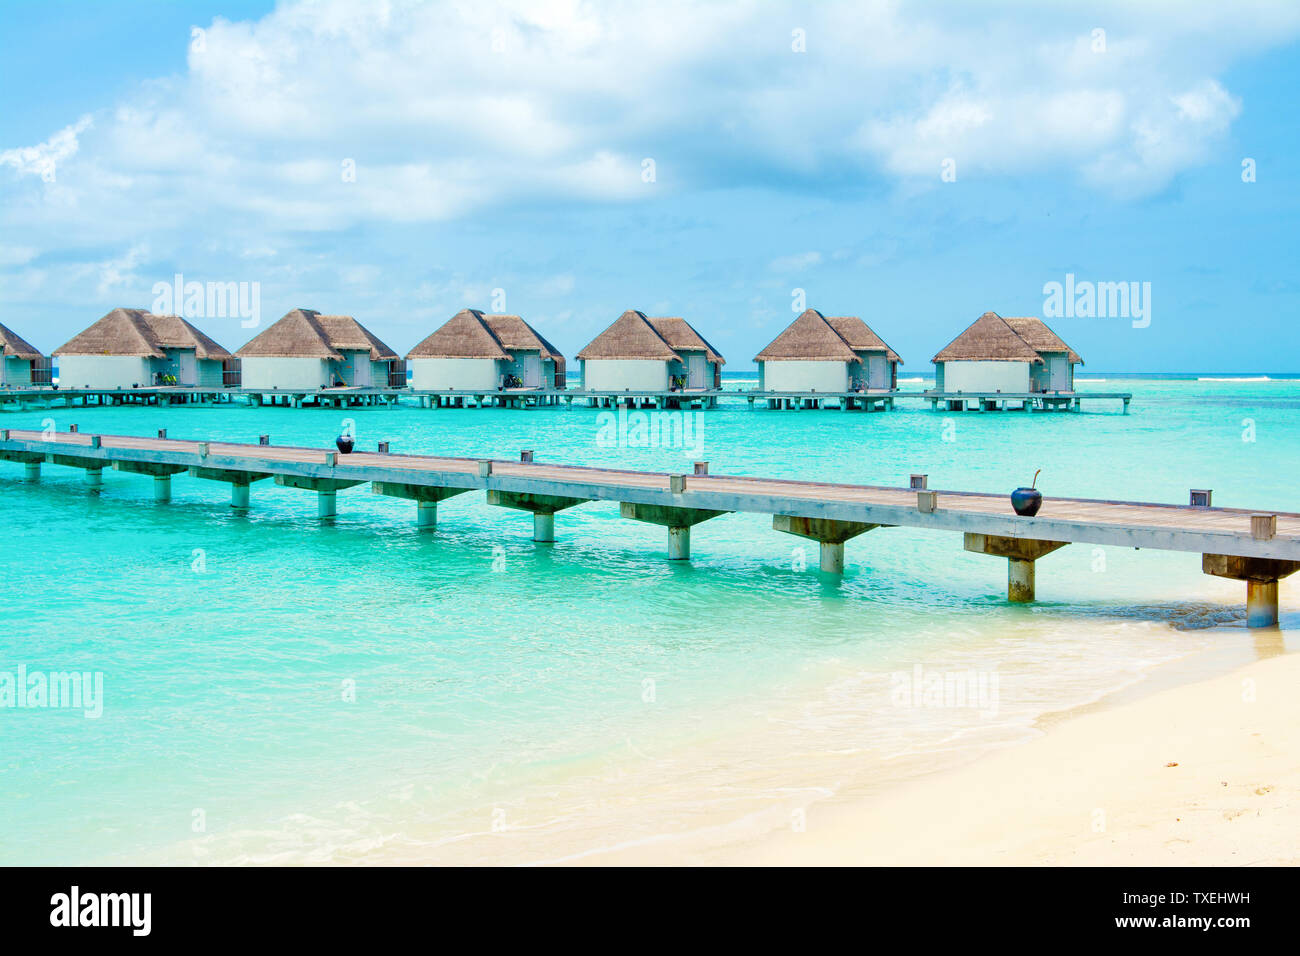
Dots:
pixel 1060 373
pixel 187 370
pixel 361 370
pixel 697 368
pixel 532 370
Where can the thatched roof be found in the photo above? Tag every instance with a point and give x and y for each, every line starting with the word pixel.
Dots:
pixel 633 336
pixel 13 345
pixel 682 337
pixel 988 339
pixel 860 336
pixel 474 334
pixel 815 338
pixel 1039 337
pixel 137 332
pixel 304 333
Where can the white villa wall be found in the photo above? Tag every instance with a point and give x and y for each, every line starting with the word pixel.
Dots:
pixel 104 371
pixel 458 373
pixel 646 375
pixel 16 371
pixel 264 372
pixel 986 376
pixel 805 376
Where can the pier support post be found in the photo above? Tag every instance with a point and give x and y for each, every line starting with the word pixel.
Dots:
pixel 679 522
pixel 1020 581
pixel 326 489
pixel 95 478
pixel 679 543
pixel 1021 553
pixel 162 475
pixel 543 508
pixel 426 498
pixel 240 481
pixel 32 471
pixel 829 532
pixel 1261 576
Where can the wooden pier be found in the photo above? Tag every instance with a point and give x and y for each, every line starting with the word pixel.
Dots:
pixel 870 401
pixel 1258 547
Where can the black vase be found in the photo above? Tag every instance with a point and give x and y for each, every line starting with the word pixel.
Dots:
pixel 345 443
pixel 1026 501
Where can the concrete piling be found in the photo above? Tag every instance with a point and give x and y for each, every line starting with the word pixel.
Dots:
pixel 828 532
pixel 1261 603
pixel 679 544
pixel 162 488
pixel 1021 553
pixel 1261 576
pixel 326 504
pixel 32 471
pixel 1020 581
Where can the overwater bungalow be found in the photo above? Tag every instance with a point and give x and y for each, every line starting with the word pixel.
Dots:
pixel 827 354
pixel 640 353
pixel 996 354
pixel 21 364
pixel 307 350
pixel 478 350
pixel 134 348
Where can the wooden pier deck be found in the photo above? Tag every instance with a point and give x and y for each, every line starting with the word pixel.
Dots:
pixel 1259 547
pixel 542 397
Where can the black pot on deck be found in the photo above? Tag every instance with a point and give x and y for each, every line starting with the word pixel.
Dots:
pixel 1027 501
pixel 345 443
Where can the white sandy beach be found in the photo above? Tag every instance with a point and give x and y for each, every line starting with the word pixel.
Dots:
pixel 1201 774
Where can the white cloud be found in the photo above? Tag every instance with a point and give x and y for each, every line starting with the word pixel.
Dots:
pixel 252 138
pixel 796 263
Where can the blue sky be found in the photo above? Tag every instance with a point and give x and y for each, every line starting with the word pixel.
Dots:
pixel 503 146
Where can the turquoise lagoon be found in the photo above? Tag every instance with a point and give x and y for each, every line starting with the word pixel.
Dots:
pixel 281 690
